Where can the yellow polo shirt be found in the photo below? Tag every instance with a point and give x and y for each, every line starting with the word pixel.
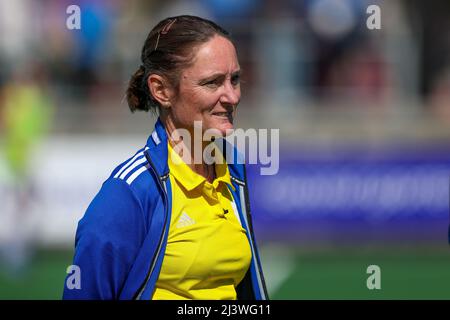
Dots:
pixel 207 253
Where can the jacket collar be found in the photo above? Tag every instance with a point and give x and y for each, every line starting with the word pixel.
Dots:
pixel 157 149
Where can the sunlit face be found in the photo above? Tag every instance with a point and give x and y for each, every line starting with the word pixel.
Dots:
pixel 209 89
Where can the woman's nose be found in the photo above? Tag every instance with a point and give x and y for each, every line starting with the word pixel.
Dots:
pixel 231 95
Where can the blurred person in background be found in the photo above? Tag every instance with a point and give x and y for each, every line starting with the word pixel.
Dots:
pixel 90 41
pixel 164 226
pixel 432 22
pixel 26 115
pixel 439 97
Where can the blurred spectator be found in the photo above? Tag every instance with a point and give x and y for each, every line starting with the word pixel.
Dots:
pixel 348 63
pixel 359 72
pixel 27 114
pixel 228 10
pixel 439 97
pixel 91 43
pixel 280 51
pixel 431 24
pixel 16 21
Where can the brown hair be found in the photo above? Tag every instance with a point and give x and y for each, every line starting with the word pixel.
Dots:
pixel 167 50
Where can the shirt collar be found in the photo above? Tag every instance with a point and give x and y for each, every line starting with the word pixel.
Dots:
pixel 190 179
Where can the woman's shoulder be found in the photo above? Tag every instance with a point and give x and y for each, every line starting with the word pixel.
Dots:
pixel 129 193
pixel 126 169
pixel 133 177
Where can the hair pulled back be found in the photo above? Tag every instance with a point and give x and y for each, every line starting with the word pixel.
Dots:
pixel 168 49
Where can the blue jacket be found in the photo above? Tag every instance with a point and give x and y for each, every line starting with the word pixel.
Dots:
pixel 121 240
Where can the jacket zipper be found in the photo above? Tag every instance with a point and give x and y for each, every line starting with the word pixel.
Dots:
pixel 263 289
pixel 139 293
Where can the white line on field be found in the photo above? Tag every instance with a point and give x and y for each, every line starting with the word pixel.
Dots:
pixel 278 264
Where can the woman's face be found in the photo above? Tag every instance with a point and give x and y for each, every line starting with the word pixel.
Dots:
pixel 209 89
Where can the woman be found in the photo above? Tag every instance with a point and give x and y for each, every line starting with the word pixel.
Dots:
pixel 163 226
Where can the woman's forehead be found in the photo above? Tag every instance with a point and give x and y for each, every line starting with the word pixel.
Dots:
pixel 218 55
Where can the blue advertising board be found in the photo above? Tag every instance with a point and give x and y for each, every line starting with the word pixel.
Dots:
pixel 354 193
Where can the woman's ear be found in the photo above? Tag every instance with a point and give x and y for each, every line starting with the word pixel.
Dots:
pixel 160 89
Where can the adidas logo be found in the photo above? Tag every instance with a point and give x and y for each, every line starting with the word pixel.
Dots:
pixel 185 221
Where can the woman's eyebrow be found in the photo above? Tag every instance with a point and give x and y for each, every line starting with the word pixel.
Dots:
pixel 237 72
pixel 213 76
pixel 219 74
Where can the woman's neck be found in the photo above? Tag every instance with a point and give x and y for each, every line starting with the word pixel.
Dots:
pixel 200 167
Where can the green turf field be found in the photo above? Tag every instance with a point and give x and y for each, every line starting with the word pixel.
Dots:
pixel 43 279
pixel 342 274
pixel 333 273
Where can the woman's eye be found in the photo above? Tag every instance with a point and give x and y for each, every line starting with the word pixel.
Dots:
pixel 235 80
pixel 212 83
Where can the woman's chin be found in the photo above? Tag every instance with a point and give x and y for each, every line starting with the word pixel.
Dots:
pixel 223 125
pixel 226 129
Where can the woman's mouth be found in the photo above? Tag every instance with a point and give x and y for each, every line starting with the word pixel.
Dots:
pixel 222 114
